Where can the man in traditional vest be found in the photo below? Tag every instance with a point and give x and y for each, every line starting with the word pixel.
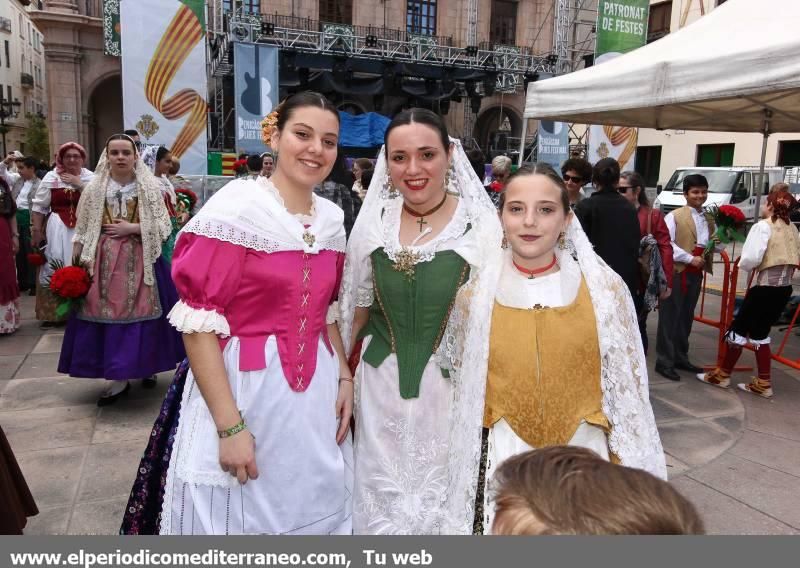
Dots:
pixel 772 250
pixel 23 187
pixel 690 229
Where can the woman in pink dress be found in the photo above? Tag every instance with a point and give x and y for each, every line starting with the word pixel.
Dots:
pixel 262 444
pixel 9 245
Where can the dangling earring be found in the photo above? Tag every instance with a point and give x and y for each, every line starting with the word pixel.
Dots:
pixel 562 241
pixel 504 242
pixel 451 181
pixel 388 189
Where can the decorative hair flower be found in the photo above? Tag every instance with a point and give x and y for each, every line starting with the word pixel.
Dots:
pixel 268 126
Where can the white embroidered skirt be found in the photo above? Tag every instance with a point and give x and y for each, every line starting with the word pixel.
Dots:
pixel 305 478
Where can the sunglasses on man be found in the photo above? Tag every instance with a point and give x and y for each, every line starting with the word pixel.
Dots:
pixel 573 179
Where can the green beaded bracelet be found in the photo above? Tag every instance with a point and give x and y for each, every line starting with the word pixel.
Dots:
pixel 228 432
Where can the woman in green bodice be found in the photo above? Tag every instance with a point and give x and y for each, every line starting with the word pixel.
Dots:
pixel 416 297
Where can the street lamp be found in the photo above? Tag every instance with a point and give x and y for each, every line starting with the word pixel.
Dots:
pixel 8 109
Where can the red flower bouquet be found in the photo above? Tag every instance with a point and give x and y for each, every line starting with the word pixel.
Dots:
pixel 36 258
pixel 730 221
pixel 69 284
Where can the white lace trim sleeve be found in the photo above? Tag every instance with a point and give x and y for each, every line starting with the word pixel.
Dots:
pixel 333 313
pixel 187 319
pixel 364 297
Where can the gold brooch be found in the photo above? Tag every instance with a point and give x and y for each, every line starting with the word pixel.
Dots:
pixel 309 238
pixel 405 261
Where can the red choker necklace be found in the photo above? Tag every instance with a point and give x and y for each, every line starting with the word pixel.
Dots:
pixel 536 271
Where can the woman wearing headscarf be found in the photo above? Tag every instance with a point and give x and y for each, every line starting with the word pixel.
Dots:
pixel 566 364
pixel 121 331
pixel 418 287
pixel 771 253
pixel 54 214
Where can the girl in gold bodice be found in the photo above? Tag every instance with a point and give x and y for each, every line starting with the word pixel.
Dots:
pixel 566 364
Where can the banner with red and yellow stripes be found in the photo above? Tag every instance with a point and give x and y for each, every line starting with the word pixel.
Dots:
pixel 164 77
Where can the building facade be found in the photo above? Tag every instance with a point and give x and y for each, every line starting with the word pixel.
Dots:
pixel 22 69
pixel 660 152
pixel 83 86
pixel 526 25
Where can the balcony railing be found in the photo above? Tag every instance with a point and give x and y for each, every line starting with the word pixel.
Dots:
pixel 27 80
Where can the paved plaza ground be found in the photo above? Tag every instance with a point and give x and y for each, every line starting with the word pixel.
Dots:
pixel 736 456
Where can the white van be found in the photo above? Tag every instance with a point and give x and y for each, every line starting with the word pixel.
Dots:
pixel 727 185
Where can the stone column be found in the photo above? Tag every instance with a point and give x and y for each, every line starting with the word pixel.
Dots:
pixel 64 97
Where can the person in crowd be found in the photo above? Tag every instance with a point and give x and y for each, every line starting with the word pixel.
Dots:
pixel 262 445
pixel 416 298
pixel 54 214
pixel 501 169
pixel 42 168
pixel 267 164
pixel 254 166
pixel 569 490
pixel 360 165
pixel 566 365
pixel 336 188
pixel 9 246
pixel 611 224
pixel 366 179
pixel 771 252
pixel 655 250
pixel 16 500
pixel 690 229
pixel 134 135
pixel 478 162
pixel 23 186
pixel 174 168
pixel 159 160
pixel 576 173
pixel 121 332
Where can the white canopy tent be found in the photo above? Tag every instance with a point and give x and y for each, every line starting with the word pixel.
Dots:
pixel 736 69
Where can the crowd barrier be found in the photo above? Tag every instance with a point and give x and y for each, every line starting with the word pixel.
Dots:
pixel 722 322
pixel 727 309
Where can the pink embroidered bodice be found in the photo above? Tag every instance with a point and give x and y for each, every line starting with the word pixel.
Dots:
pixel 285 294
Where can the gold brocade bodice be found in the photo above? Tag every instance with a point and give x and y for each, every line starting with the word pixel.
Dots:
pixel 129 210
pixel 544 371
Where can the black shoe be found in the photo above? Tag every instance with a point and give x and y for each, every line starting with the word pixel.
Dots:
pixel 149 382
pixel 689 367
pixel 32 292
pixel 668 373
pixel 108 400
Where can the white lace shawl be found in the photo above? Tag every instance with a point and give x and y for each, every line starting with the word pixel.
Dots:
pixel 153 217
pixel 465 345
pixel 623 370
pixel 249 213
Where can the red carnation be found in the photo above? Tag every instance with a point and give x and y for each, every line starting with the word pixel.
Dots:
pixel 734 213
pixel 70 282
pixel 36 259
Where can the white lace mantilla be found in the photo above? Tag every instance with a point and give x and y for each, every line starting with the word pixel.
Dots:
pixel 432 471
pixel 634 437
pixel 246 213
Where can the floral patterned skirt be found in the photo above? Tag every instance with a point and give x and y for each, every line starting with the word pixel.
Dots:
pixel 143 512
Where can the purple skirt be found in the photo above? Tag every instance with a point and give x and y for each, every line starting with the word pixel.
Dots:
pixel 125 350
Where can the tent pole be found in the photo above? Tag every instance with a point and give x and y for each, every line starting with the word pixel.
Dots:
pixel 522 141
pixel 760 187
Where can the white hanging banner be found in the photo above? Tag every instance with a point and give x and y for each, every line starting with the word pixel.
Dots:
pixel 164 77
